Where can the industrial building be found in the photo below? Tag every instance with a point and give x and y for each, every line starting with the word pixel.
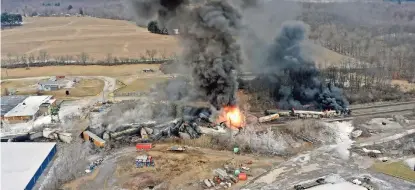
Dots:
pixel 29 109
pixel 23 163
pixel 9 102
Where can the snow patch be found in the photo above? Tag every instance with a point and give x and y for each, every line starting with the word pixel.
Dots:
pixel 342 134
pixel 410 162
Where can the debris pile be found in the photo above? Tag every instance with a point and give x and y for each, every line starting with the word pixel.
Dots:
pixel 192 123
pixel 144 160
pixel 226 177
pixel 93 165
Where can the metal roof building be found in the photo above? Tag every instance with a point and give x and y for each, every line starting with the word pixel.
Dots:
pixel 22 163
pixel 29 107
pixel 9 102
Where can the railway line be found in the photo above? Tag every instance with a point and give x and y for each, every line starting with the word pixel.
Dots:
pixel 360 107
pixel 383 109
pixel 400 108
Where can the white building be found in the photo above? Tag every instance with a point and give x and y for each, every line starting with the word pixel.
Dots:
pixel 29 109
pixel 49 85
pixel 22 163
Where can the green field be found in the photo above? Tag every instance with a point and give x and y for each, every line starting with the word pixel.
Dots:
pixel 395 169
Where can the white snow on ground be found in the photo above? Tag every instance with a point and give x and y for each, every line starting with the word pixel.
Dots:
pixel 20 128
pixel 303 158
pixel 43 120
pixel 342 131
pixel 410 162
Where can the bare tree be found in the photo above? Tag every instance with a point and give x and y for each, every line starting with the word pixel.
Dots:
pixel 23 58
pixel 115 60
pixel 68 58
pixel 151 54
pixel 163 54
pixel 174 56
pixel 8 62
pixel 60 59
pixel 30 60
pixel 43 56
pixel 109 58
pixel 83 58
pixel 143 57
pixel 71 163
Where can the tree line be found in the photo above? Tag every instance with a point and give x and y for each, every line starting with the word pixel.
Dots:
pixel 151 56
pixel 9 19
pixel 379 40
pixel 154 28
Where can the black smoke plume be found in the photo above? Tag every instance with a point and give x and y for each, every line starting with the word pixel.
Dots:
pixel 291 78
pixel 207 30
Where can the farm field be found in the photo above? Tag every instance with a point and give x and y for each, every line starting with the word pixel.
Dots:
pixel 141 84
pixel 84 88
pixel 61 36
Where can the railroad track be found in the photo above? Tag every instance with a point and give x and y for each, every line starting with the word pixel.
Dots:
pixel 402 108
pixel 399 108
pixel 383 109
pixel 383 105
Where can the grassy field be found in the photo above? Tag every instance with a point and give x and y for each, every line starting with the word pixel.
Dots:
pixel 396 169
pixel 19 85
pixel 91 70
pixel 86 87
pixel 141 84
pixel 60 36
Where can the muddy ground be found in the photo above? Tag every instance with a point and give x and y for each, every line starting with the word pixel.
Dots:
pixel 176 170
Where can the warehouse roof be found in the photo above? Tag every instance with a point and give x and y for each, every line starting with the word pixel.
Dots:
pixel 50 83
pixel 20 161
pixel 9 102
pixel 29 106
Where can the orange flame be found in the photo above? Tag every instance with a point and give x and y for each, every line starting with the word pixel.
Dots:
pixel 232 116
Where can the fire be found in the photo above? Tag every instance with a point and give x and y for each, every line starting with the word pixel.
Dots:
pixel 232 116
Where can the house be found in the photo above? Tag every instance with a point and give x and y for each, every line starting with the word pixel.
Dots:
pixel 49 85
pixel 29 109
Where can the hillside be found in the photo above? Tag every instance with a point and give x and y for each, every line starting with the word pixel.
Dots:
pixel 61 36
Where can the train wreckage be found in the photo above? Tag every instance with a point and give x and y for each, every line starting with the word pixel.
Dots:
pixel 191 122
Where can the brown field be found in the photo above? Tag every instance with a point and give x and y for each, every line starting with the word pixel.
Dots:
pixel 141 84
pixel 90 70
pixel 178 170
pixel 60 36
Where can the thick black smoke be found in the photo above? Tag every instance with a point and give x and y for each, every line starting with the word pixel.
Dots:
pixel 207 30
pixel 292 79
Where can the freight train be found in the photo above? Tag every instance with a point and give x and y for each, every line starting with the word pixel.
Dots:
pixel 309 114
